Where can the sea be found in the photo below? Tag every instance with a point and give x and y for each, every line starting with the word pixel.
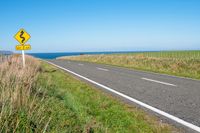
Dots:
pixel 56 55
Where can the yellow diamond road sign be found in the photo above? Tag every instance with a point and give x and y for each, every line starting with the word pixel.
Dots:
pixel 22 36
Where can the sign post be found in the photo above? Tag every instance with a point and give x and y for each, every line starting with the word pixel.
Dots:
pixel 23 58
pixel 22 37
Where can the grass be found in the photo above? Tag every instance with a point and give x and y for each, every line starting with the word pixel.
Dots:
pixel 21 109
pixel 42 98
pixel 179 63
pixel 184 55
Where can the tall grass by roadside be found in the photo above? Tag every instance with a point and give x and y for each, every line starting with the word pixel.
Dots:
pixel 20 109
pixel 180 63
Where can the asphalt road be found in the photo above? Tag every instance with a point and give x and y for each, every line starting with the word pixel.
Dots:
pixel 179 97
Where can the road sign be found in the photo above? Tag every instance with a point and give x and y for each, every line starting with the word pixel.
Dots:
pixel 23 47
pixel 22 36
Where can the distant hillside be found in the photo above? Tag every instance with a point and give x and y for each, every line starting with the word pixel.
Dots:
pixel 5 52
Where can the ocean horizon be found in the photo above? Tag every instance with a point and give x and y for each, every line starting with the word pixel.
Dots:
pixel 54 55
pixel 60 54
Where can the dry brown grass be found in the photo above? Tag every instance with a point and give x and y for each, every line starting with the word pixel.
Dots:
pixel 19 108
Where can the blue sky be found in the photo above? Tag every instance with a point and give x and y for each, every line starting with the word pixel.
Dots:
pixel 101 25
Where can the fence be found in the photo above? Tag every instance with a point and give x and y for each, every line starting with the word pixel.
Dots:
pixel 5 57
pixel 174 54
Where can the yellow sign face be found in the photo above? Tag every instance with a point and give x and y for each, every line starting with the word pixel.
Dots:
pixel 22 36
pixel 23 47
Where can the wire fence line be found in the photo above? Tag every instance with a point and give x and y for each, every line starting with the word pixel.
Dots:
pixel 5 57
pixel 180 55
pixel 194 55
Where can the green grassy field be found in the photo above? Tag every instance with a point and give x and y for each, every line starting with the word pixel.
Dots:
pixel 179 63
pixel 42 98
pixel 184 55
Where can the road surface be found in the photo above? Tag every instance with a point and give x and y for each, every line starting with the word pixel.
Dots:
pixel 177 99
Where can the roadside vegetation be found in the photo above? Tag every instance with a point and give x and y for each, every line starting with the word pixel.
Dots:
pixel 179 63
pixel 42 98
pixel 21 108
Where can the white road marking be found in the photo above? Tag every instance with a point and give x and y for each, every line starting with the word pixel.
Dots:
pixel 80 64
pixel 162 74
pixel 156 81
pixel 102 69
pixel 169 116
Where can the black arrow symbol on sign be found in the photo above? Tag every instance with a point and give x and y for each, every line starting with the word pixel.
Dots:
pixel 21 36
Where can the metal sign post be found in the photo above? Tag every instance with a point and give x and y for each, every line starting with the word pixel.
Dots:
pixel 23 58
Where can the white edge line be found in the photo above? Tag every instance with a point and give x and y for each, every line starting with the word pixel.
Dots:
pixel 80 64
pixel 156 81
pixel 169 116
pixel 102 69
